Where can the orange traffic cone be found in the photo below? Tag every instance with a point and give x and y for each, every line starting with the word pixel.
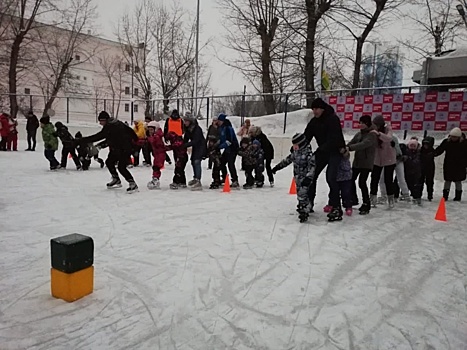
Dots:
pixel 441 213
pixel 226 184
pixel 293 187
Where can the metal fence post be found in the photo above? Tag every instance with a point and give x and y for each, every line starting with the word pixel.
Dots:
pixel 178 104
pixel 67 110
pixel 30 102
pixel 405 134
pixel 242 117
pixel 207 112
pixel 105 104
pixel 96 110
pixel 153 108
pixel 286 108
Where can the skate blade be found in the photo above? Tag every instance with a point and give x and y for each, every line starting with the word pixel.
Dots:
pixel 133 191
pixel 194 189
pixel 115 186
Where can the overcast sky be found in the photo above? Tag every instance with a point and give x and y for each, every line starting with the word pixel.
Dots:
pixel 224 79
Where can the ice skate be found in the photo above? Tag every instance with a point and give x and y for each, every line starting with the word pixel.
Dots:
pixel 348 211
pixel 197 186
pixel 458 196
pixel 373 200
pixel 327 209
pixel 191 182
pixel 214 186
pixel 271 184
pixel 405 198
pixel 132 188
pixel 382 200
pixel 390 202
pixel 335 215
pixel 154 184
pixel 173 186
pixel 303 217
pixel 182 185
pixel 247 187
pixel 364 209
pixel 259 184
pixel 235 185
pixel 114 183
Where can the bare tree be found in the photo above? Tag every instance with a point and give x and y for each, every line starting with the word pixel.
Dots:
pixel 187 89
pixel 62 48
pixel 113 71
pixel 22 21
pixel 436 26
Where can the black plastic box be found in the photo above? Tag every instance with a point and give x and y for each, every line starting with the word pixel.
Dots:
pixel 72 253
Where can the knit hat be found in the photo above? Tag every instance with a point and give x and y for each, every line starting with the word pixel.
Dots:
pixel 379 121
pixel 318 103
pixel 412 144
pixel 214 118
pixel 59 125
pixel 190 118
pixel 45 120
pixel 175 114
pixel 245 140
pixel 257 143
pixel 299 139
pixel 78 135
pixel 222 117
pixel 365 119
pixel 456 132
pixel 154 125
pixel 103 116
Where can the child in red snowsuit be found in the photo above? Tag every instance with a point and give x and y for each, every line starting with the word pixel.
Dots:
pixel 155 139
pixel 181 158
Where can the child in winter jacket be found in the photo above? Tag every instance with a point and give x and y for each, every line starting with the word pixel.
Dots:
pixel 455 162
pixel 50 142
pixel 247 152
pixel 427 157
pixel 86 152
pixel 4 130
pixel 214 155
pixel 304 169
pixel 12 141
pixel 180 159
pixel 68 148
pixel 138 145
pixel 413 171
pixel 344 180
pixel 156 141
pixel 259 166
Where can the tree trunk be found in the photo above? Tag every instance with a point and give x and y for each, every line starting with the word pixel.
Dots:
pixel 57 86
pixel 310 60
pixel 147 98
pixel 358 66
pixel 266 40
pixel 12 75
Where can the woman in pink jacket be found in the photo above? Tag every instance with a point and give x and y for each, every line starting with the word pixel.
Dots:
pixel 385 160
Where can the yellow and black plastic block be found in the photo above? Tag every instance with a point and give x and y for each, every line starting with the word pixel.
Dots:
pixel 72 286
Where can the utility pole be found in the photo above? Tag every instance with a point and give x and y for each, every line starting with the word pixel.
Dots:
pixel 196 61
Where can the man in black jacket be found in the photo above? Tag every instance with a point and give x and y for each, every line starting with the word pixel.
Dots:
pixel 194 138
pixel 326 128
pixel 31 128
pixel 119 137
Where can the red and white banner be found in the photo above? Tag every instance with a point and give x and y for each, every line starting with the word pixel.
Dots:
pixel 432 111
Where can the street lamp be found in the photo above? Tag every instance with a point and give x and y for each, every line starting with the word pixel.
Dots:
pixel 196 61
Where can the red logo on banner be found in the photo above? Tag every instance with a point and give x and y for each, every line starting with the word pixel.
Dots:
pixel 350 99
pixel 429 117
pixel 442 107
pixel 377 108
pixel 431 97
pixel 396 125
pixel 419 107
pixel 333 100
pixel 417 126
pixel 409 98
pixel 441 126
pixel 407 117
pixel 463 126
pixel 464 106
pixel 388 98
pixel 356 125
pixel 457 96
pixel 358 108
pixel 368 99
pixel 387 116
pixel 454 117
pixel 397 107
pixel 340 108
pixel 348 116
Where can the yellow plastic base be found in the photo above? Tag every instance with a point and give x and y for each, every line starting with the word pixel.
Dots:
pixel 72 286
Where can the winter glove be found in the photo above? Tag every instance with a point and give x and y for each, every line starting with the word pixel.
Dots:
pixel 306 181
pixel 274 170
pixel 228 143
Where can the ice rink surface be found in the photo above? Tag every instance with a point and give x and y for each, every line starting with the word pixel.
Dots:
pixel 209 270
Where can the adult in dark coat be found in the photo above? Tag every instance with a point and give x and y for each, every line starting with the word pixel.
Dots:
pixel 455 162
pixel 119 137
pixel 32 125
pixel 228 143
pixel 214 131
pixel 257 134
pixel 427 154
pixel 326 128
pixel 364 145
pixel 194 138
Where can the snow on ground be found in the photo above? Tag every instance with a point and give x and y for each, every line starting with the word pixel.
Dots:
pixel 208 270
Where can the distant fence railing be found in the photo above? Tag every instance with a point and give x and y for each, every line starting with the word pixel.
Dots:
pixel 411 108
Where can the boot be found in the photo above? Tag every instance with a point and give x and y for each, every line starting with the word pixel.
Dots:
pixel 430 196
pixel 197 186
pixel 364 209
pixel 132 187
pixel 154 184
pixel 446 194
pixel 115 182
pixel 335 215
pixel 458 196
pixel 373 200
pixel 391 201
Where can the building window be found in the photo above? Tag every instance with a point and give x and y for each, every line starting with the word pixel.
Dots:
pixel 77 58
pixel 85 78
pixel 127 90
pixel 136 92
pixel 127 67
pixel 135 108
pixel 136 69
pixel 127 107
pixel 27 91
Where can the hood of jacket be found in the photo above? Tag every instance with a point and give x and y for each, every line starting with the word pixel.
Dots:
pixel 429 140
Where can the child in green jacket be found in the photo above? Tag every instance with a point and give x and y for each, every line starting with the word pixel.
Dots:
pixel 50 142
